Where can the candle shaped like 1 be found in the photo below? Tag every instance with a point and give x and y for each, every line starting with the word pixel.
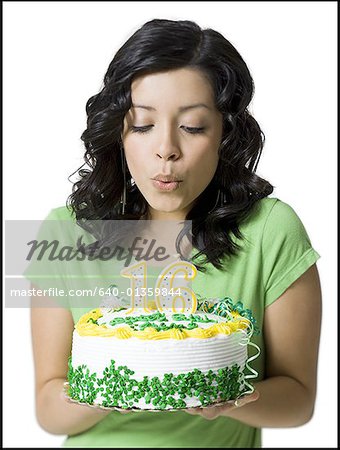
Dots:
pixel 169 287
pixel 137 274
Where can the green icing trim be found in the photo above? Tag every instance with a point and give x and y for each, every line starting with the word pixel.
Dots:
pixel 218 306
pixel 141 322
pixel 92 320
pixel 118 388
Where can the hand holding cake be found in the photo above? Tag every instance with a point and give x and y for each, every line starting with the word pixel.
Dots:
pixel 212 412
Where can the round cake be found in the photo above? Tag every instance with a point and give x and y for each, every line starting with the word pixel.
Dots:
pixel 159 360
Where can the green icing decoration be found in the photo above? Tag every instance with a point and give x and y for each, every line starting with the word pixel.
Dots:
pixel 141 322
pixel 118 388
pixel 222 307
pixel 92 320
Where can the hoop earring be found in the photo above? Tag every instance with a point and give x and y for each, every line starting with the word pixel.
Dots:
pixel 123 196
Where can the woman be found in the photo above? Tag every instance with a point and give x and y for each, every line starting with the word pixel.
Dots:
pixel 169 137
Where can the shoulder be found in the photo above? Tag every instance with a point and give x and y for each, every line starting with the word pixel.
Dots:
pixel 278 209
pixel 282 218
pixel 273 219
pixel 271 210
pixel 58 222
pixel 61 213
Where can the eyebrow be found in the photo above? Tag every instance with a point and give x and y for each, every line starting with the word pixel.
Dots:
pixel 181 108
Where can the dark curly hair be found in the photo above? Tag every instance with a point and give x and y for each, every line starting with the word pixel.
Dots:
pixel 164 45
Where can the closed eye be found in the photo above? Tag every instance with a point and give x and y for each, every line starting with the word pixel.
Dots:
pixel 190 130
pixel 141 129
pixel 194 130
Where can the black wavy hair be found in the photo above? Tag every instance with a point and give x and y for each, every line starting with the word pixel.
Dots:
pixel 164 45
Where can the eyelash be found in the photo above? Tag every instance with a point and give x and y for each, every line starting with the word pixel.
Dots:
pixel 190 130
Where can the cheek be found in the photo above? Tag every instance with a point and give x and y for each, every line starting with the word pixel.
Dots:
pixel 136 160
pixel 205 163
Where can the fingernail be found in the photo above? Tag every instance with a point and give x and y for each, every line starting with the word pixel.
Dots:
pixel 238 403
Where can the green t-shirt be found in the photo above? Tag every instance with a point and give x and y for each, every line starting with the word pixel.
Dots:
pixel 276 251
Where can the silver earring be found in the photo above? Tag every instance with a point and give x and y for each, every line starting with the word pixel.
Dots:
pixel 123 201
pixel 123 196
pixel 223 198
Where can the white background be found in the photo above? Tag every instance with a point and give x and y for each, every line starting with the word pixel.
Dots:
pixel 55 57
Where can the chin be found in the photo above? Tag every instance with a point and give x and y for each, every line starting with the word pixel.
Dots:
pixel 166 206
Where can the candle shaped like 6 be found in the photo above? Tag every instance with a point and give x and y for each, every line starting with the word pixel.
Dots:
pixel 171 286
pixel 175 278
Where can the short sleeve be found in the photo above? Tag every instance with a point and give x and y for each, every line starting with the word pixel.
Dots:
pixel 287 251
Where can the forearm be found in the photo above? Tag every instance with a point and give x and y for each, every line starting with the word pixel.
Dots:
pixel 283 402
pixel 58 416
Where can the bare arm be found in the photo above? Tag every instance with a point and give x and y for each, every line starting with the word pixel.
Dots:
pixel 292 332
pixel 52 339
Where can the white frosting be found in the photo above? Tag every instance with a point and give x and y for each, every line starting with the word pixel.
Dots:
pixel 157 357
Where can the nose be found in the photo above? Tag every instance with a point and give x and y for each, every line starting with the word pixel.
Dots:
pixel 168 148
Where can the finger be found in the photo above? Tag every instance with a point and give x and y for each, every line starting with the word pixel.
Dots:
pixel 223 407
pixel 193 411
pixel 123 411
pixel 252 397
pixel 247 399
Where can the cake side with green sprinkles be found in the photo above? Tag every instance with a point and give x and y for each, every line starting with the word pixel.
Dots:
pixel 118 388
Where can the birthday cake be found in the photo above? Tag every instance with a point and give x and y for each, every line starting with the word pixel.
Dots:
pixel 161 360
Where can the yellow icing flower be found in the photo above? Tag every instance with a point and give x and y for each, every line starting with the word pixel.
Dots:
pixel 87 326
